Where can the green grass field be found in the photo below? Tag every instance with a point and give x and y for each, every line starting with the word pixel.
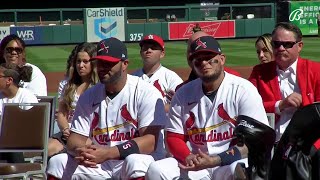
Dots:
pixel 239 52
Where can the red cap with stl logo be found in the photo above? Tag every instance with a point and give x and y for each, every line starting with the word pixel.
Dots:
pixel 152 38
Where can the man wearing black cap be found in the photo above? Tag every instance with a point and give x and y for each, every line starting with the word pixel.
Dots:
pixel 192 75
pixel 122 116
pixel 204 113
pixel 165 80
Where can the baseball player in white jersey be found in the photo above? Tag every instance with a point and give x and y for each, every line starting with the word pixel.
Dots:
pixel 122 115
pixel 165 80
pixel 204 112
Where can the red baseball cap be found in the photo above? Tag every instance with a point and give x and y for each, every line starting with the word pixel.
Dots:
pixel 152 38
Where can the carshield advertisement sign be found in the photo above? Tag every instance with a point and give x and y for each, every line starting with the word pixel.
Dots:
pixel 304 14
pixel 217 29
pixel 102 23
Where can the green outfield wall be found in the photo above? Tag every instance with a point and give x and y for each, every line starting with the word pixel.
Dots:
pixel 66 26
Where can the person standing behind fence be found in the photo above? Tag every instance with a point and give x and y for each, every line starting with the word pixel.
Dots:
pixel 83 77
pixel 13 50
pixel 264 48
pixel 290 81
pixel 11 92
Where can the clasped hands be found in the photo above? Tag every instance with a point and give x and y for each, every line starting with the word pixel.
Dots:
pixel 91 155
pixel 196 162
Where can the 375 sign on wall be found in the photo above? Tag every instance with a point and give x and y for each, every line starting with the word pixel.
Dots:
pixel 217 29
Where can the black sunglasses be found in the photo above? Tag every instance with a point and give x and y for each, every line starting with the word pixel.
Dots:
pixel 152 46
pixel 16 49
pixel 285 44
pixel 209 59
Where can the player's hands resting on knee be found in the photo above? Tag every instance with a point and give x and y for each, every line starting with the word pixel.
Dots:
pixel 91 155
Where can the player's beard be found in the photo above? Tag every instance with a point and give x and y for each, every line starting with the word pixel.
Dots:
pixel 113 78
pixel 214 76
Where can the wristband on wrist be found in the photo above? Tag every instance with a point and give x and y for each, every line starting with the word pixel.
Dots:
pixel 127 148
pixel 229 156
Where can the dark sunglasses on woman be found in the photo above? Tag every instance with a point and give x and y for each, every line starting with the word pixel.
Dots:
pixel 16 49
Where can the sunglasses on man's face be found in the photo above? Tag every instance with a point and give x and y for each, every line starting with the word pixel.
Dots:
pixel 285 44
pixel 18 50
pixel 152 46
pixel 209 59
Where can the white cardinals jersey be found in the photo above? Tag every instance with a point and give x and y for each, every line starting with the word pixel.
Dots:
pixel 110 122
pixel 208 124
pixel 164 79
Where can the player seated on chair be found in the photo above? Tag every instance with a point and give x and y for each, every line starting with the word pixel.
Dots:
pixel 11 92
pixel 193 75
pixel 204 113
pixel 83 77
pixel 122 115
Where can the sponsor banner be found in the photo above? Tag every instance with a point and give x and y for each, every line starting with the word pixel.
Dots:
pixel 217 29
pixel 4 31
pixel 102 23
pixel 30 34
pixel 304 14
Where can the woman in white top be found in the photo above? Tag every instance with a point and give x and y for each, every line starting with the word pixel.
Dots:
pixel 84 76
pixel 12 50
pixel 10 92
